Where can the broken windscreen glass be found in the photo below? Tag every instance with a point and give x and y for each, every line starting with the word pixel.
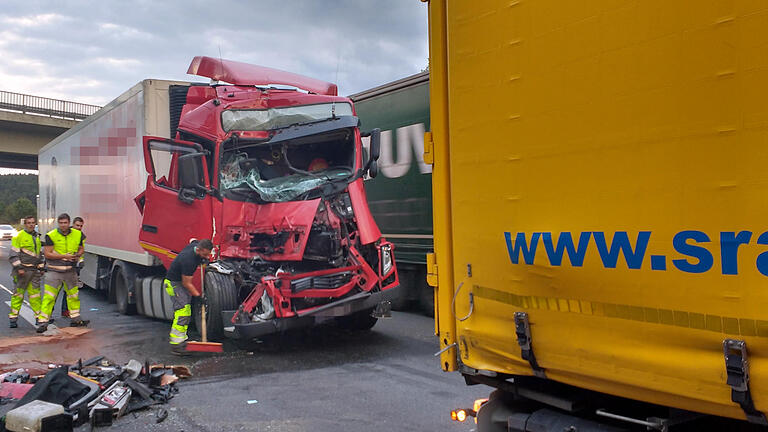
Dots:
pixel 242 174
pixel 275 118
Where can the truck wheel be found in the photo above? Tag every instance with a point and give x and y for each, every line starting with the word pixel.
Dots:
pixel 358 321
pixel 120 290
pixel 220 295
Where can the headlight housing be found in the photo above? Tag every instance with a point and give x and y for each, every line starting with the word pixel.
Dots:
pixel 386 259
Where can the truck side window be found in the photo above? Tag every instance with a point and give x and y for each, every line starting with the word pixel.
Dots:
pixel 166 173
pixel 166 164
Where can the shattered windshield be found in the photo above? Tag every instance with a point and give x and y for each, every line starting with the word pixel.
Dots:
pixel 241 174
pixel 275 118
pixel 288 171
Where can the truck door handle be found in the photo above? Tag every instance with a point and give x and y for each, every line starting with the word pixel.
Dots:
pixel 149 228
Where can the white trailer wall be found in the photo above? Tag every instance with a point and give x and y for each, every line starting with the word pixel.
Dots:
pixel 96 169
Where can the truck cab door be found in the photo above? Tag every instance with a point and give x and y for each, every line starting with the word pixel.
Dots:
pixel 177 206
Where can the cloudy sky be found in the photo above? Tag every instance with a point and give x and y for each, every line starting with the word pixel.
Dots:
pixel 91 51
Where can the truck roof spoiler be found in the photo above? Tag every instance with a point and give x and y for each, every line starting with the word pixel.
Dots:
pixel 238 73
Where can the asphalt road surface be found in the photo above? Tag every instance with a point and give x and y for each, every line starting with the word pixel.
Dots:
pixel 322 379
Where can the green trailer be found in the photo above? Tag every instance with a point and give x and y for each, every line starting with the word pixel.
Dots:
pixel 400 197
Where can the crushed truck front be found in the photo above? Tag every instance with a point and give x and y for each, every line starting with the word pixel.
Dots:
pixel 275 177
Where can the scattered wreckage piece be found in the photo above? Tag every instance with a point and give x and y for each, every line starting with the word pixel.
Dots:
pixel 38 416
pixel 94 390
pixel 62 333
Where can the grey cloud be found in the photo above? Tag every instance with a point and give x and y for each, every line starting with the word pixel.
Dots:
pixel 111 45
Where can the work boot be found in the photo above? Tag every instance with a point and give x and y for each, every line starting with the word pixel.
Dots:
pixel 13 324
pixel 180 349
pixel 79 322
pixel 42 328
pixel 50 321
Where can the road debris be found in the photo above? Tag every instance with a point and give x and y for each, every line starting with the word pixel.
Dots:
pixel 161 415
pixel 59 334
pixel 94 390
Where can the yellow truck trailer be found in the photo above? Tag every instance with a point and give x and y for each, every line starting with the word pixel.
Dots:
pixel 600 193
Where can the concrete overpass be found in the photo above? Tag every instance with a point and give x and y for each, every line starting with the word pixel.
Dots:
pixel 27 123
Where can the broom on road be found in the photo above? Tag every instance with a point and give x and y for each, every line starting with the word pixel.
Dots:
pixel 204 345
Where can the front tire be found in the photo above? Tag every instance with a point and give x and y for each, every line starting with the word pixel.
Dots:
pixel 220 295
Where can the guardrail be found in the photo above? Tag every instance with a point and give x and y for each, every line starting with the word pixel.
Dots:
pixel 44 106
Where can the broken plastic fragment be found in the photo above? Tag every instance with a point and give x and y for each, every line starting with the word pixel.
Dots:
pixel 168 379
pixel 252 401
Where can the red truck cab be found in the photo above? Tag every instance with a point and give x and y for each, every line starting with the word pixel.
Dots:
pixel 274 176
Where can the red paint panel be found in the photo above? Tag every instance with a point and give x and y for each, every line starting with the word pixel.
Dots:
pixel 246 74
pixel 369 231
pixel 203 121
pixel 242 219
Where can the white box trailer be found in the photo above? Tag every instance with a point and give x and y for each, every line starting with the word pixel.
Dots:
pixel 95 170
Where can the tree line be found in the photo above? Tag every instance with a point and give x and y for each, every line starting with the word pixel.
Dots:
pixel 18 197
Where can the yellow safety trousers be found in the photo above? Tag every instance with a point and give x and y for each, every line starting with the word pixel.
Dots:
pixel 18 298
pixel 182 313
pixel 49 301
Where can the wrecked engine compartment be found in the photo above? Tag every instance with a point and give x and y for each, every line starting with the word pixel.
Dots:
pixel 327 260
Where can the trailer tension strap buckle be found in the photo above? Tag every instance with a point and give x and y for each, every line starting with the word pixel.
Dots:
pixel 523 331
pixel 737 368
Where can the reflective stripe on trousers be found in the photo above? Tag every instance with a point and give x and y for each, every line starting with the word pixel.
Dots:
pixel 182 311
pixel 29 282
pixel 52 292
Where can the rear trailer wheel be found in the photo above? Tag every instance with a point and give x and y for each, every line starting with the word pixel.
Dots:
pixel 493 416
pixel 220 295
pixel 120 289
pixel 358 321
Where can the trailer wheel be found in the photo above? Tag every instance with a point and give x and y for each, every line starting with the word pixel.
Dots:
pixel 220 295
pixel 493 415
pixel 120 290
pixel 358 321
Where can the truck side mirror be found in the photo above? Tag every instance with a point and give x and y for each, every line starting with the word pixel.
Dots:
pixel 190 176
pixel 375 144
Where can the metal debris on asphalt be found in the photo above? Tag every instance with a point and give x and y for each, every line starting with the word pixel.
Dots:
pixel 95 390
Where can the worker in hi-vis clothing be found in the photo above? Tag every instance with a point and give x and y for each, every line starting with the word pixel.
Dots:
pixel 178 284
pixel 62 248
pixel 27 269
pixel 77 223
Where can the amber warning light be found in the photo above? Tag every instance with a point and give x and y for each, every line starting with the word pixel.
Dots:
pixel 461 415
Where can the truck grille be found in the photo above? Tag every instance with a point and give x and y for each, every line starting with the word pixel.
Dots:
pixel 331 281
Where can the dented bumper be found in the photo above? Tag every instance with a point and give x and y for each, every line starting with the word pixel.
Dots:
pixel 342 307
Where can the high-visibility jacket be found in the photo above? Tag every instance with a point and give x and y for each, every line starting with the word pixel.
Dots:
pixel 64 244
pixel 25 250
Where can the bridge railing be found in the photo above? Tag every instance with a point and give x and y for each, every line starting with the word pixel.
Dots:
pixel 45 106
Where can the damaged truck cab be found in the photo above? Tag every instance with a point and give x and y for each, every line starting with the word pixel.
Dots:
pixel 274 176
